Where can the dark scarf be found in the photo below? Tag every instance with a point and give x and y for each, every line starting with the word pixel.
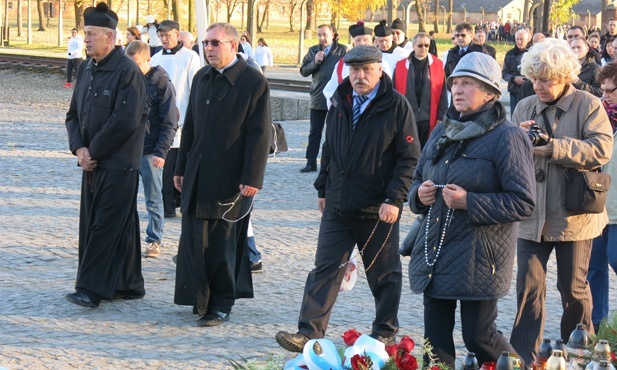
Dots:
pixel 462 129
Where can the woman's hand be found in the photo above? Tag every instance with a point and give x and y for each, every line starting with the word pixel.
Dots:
pixel 455 196
pixel 427 193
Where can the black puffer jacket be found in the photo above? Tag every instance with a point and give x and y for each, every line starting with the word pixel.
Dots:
pixel 321 72
pixel 496 169
pixel 587 80
pixel 512 68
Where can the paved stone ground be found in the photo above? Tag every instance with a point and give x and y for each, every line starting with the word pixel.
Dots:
pixel 39 200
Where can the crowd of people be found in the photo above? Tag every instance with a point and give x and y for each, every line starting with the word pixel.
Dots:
pixel 402 125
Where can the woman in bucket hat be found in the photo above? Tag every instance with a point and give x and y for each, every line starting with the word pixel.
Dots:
pixel 473 182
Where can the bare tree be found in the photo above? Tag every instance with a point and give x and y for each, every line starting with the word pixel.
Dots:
pixel 310 9
pixel 19 18
pixel 436 12
pixel 41 11
pixel 293 5
pixel 421 26
pixel 264 16
pixel 79 13
pixel 177 11
pixel 450 9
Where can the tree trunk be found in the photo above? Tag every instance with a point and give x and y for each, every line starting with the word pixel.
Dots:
pixel 79 14
pixel 451 8
pixel 41 11
pixel 421 26
pixel 310 8
pixel 292 12
pixel 177 12
pixel 436 14
pixel 546 15
pixel 110 3
pixel 19 18
pixel 192 27
pixel 263 18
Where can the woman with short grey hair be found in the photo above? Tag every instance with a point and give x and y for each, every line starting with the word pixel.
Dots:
pixel 569 130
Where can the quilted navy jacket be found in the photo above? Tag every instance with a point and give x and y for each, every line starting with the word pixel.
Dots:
pixel 477 255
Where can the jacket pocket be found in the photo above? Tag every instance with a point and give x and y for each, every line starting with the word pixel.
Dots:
pixel 488 251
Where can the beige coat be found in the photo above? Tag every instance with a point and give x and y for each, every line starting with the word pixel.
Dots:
pixel 611 203
pixel 583 138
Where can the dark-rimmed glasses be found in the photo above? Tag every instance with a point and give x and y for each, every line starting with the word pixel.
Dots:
pixel 215 43
pixel 463 35
pixel 424 46
pixel 609 91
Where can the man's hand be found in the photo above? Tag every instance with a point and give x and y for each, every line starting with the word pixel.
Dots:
pixel 544 150
pixel 84 159
pixel 319 57
pixel 427 193
pixel 248 191
pixel 178 180
pixel 388 213
pixel 158 162
pixel 455 196
pixel 519 80
pixel 321 203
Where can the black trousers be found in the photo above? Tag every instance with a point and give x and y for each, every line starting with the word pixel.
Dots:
pixel 72 64
pixel 171 195
pixel 478 326
pixel 318 120
pixel 337 237
pixel 424 128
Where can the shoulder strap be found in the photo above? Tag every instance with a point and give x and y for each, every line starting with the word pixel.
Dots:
pixel 547 125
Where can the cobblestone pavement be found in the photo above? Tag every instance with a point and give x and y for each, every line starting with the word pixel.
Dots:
pixel 39 207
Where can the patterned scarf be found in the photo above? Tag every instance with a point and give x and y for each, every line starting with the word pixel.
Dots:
pixel 611 110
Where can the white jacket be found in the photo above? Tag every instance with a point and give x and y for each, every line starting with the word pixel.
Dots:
pixel 76 47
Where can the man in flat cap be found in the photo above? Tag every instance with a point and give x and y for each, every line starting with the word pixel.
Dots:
pixel 361 35
pixel 399 36
pixel 181 65
pixel 106 123
pixel 319 63
pixel 384 39
pixel 367 164
pixel 422 80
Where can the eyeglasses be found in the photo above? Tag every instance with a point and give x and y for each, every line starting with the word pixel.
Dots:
pixel 423 46
pixel 609 91
pixel 463 35
pixel 214 43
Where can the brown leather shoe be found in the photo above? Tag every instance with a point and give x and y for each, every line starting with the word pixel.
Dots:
pixel 291 342
pixel 388 341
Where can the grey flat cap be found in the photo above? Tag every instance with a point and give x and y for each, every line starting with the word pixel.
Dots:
pixel 480 66
pixel 363 54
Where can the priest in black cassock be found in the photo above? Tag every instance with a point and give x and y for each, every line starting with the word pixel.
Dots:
pixel 221 165
pixel 106 125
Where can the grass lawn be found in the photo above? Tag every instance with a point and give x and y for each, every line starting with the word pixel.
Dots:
pixel 284 44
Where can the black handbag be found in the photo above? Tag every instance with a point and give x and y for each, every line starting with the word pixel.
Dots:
pixel 586 191
pixel 279 142
pixel 414 232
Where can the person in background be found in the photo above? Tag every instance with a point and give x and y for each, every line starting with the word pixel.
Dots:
pixel 463 36
pixel 263 55
pixel 511 72
pixel 319 62
pixel 481 40
pixel 607 52
pixel 433 48
pixel 76 56
pixel 162 126
pixel 537 37
pixel 474 183
pixel 580 138
pixel 578 32
pixel 247 48
pixel 392 53
pixel 421 79
pixel 132 34
pixel 594 43
pixel 604 250
pixel 151 29
pixel 181 64
pixel 361 35
pixel 398 34
pixel 106 124
pixel 587 77
pixel 611 31
pixel 186 38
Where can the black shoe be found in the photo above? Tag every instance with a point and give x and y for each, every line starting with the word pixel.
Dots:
pixel 309 168
pixel 170 214
pixel 291 342
pixel 81 299
pixel 388 341
pixel 257 267
pixel 213 318
pixel 129 294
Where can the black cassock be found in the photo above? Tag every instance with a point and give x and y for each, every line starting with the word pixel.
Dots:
pixel 109 244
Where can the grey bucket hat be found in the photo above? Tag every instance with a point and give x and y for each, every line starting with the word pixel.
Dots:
pixel 480 66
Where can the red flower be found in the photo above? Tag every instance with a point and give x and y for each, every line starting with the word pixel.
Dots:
pixel 406 344
pixel 358 362
pixel 435 367
pixel 406 362
pixel 392 350
pixel 613 357
pixel 350 337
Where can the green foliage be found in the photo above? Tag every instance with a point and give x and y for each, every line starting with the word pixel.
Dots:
pixel 561 11
pixel 608 331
